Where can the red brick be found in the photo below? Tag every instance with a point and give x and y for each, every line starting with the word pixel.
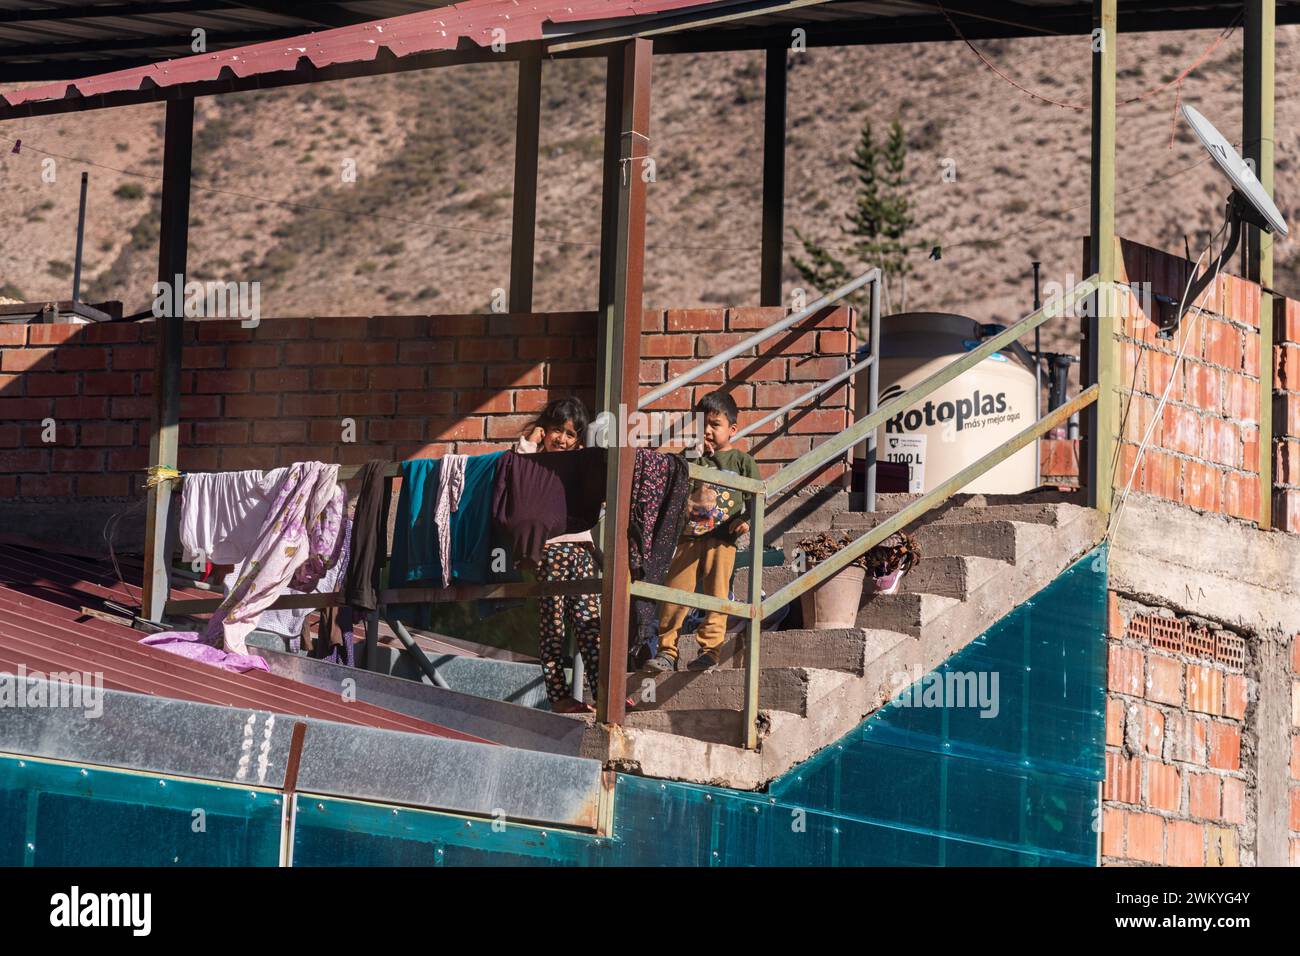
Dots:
pixel 462 375
pixel 762 368
pixel 1234 696
pixel 368 353
pixel 1125 670
pixel 1153 731
pixel 426 402
pixel 46 486
pixel 252 406
pixel 566 373
pixel 397 377
pixel 331 430
pixel 571 323
pixel 1112 833
pixel 221 330
pixel 542 349
pixel 106 486
pixel 397 429
pixel 1241 496
pixel 1241 398
pixel 1234 800
pixel 530 399
pixel 281 380
pixel 20 360
pixel 198 356
pixel 1164 786
pixel 222 382
pixel 816 369
pixel 280 431
pixel 1295 798
pixel 1201 484
pixel 1186 844
pixel 250 457
pixel 339 327
pixel 1204 689
pixel 368 403
pixel 748 318
pixel 98 434
pixel 518 376
pixel 678 366
pixel 245 356
pixel 1181 428
pixel 192 406
pixel 793 342
pixel 1160 475
pixel 1202 386
pixel 507 427
pixel 1223 345
pixel 71 358
pixel 25 460
pixel 1224 747
pixel 339 378
pixel 1203 791
pixel 54 333
pixel 1250 448
pixel 1295 757
pixel 1114 722
pixel 1159 368
pixel 313 353
pixel 220 433
pixel 485 350
pixel 192 458
pixel 399 326
pixel 1145 833
pixel 8 486
pixel 77 408
pixel 652 320
pixel 1295 654
pixel 482 402
pixel 667 346
pixel 1123 782
pixel 128 459
pixel 695 320
pixel 819 421
pixel 40 383
pixel 109 333
pixel 1164 680
pixel 311 404
pixel 77 459
pixel 652 372
pixel 14 335
pixel 434 450
pixel 829 343
pixel 124 358
pixel 469 429
pixel 1286 367
pixel 517 324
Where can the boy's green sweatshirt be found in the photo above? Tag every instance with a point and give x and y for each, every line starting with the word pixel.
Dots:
pixel 738 463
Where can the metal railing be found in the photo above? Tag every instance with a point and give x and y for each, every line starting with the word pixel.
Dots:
pixel 757 608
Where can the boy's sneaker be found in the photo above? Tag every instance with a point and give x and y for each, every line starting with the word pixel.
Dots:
pixel 662 663
pixel 706 661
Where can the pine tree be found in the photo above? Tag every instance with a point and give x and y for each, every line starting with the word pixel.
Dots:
pixel 878 225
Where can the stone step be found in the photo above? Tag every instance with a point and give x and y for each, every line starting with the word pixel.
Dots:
pixel 951 575
pixel 848 649
pixel 712 726
pixel 997 539
pixel 1030 513
pixel 723 688
pixel 906 613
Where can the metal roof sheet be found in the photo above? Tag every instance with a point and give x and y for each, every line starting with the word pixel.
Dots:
pixel 43 626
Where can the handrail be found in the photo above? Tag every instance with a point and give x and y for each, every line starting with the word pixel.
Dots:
pixel 690 375
pixel 819 456
pixel 930 499
pixel 815 392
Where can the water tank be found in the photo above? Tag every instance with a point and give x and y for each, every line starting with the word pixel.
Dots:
pixel 961 422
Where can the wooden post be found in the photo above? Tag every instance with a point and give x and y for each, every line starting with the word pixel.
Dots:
pixel 523 226
pixel 1257 122
pixel 173 244
pixel 624 367
pixel 609 227
pixel 774 100
pixel 1101 421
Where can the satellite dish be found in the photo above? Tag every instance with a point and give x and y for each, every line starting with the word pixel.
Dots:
pixel 1249 203
pixel 1243 178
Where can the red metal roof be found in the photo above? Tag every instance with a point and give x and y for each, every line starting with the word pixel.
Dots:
pixel 428 31
pixel 42 626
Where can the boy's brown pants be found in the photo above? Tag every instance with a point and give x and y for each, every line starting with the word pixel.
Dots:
pixel 705 565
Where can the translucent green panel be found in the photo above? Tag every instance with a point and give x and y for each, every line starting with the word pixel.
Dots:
pixel 60 815
pixel 330 832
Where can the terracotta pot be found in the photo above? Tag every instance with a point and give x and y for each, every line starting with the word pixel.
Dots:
pixel 834 602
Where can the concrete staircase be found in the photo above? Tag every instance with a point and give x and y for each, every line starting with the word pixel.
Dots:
pixel 982 556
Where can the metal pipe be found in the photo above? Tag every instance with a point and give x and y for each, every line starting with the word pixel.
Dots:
pixel 81 236
pixel 821 389
pixel 873 397
pixel 757 338
pixel 1038 373
pixel 416 651
pixel 754 627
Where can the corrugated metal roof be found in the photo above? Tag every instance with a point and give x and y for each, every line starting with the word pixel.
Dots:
pixel 442 29
pixel 43 626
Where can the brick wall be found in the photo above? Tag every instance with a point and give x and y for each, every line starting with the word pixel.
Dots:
pixel 411 385
pixel 1204 450
pixel 785 366
pixel 1286 414
pixel 1175 792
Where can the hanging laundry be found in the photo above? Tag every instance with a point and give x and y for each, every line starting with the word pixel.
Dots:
pixel 538 497
pixel 222 512
pixel 369 539
pixel 288 622
pixel 193 645
pixel 660 488
pixel 335 641
pixel 451 485
pixel 300 539
pixel 416 547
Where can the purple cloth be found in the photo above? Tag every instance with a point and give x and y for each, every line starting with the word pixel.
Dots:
pixel 190 644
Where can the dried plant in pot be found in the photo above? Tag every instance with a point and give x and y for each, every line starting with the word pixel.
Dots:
pixel 835 602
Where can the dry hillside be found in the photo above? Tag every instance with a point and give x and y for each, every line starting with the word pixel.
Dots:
pixel 425 225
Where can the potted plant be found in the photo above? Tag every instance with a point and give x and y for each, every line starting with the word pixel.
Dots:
pixel 834 602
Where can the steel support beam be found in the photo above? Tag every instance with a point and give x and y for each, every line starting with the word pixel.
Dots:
pixel 774 103
pixel 608 226
pixel 523 228
pixel 1101 421
pixel 624 362
pixel 173 247
pixel 1257 129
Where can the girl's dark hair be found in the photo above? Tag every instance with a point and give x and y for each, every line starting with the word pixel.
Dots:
pixel 562 410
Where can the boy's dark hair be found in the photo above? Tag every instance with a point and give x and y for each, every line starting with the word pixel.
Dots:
pixel 718 403
pixel 562 410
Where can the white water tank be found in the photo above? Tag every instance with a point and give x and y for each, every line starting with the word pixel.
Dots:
pixel 961 422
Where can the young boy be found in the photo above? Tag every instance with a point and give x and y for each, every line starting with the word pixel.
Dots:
pixel 706 552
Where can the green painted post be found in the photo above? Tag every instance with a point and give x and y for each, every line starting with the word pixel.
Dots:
pixel 1257 144
pixel 755 629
